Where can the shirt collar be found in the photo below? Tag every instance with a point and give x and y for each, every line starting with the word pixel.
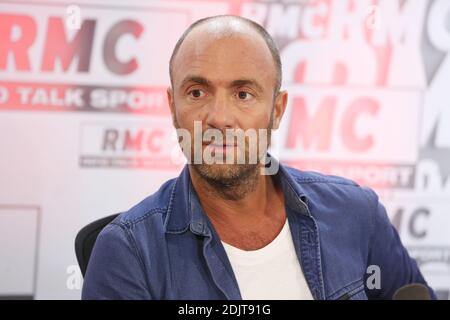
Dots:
pixel 185 211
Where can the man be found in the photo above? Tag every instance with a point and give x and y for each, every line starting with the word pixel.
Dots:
pixel 233 230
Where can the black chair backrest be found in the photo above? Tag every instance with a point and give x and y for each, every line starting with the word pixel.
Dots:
pixel 85 240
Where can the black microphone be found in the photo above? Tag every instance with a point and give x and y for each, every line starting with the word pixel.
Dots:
pixel 414 291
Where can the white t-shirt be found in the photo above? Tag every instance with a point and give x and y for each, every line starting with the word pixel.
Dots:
pixel 272 272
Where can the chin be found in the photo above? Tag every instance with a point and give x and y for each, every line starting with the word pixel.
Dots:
pixel 225 172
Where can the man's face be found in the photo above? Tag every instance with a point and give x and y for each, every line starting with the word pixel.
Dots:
pixel 226 83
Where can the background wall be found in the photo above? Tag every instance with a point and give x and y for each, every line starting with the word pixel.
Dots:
pixel 85 130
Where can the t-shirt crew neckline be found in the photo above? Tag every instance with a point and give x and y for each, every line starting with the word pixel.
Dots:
pixel 271 251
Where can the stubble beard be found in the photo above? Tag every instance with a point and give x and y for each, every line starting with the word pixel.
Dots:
pixel 232 181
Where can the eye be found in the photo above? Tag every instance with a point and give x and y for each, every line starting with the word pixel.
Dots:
pixel 244 95
pixel 196 93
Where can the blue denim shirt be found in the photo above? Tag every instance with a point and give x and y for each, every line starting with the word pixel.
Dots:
pixel 166 248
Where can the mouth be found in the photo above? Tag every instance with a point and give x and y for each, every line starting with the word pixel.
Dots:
pixel 220 148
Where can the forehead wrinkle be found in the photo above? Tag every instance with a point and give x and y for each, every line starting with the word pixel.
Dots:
pixel 196 55
pixel 202 47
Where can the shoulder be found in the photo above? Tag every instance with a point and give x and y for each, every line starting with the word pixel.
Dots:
pixel 332 188
pixel 305 177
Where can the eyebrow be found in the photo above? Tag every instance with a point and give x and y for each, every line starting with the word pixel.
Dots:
pixel 247 82
pixel 235 83
pixel 195 79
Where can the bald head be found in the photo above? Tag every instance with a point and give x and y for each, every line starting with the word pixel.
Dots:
pixel 224 26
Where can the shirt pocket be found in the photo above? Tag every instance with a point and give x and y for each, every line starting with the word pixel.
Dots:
pixel 352 291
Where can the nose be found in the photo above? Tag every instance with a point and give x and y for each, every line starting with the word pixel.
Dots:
pixel 220 113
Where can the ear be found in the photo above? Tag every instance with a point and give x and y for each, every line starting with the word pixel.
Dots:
pixel 279 108
pixel 170 100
